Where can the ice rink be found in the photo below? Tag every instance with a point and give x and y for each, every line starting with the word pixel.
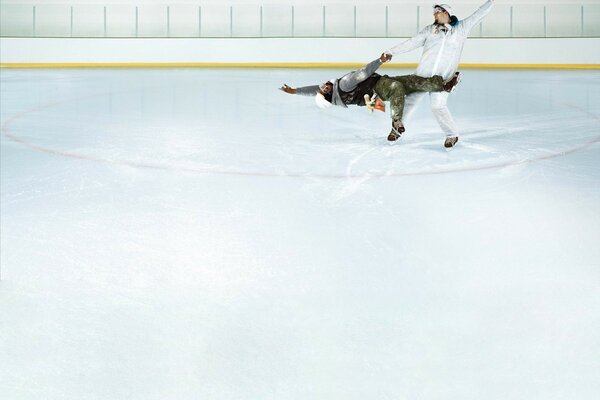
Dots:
pixel 198 234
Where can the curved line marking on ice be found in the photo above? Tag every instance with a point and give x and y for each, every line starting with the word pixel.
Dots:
pixel 4 131
pixel 355 160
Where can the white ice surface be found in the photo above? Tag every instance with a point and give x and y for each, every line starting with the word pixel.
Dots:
pixel 198 234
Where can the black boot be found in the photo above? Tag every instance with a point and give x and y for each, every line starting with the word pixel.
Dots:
pixel 451 83
pixel 397 130
pixel 450 142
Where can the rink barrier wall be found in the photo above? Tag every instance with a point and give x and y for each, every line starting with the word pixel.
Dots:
pixel 284 53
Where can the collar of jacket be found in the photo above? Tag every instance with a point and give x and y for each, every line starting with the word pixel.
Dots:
pixel 442 28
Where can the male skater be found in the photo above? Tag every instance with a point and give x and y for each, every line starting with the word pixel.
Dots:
pixel 442 44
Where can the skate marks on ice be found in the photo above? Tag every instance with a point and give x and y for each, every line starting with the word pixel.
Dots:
pixel 487 143
pixel 299 144
pixel 362 158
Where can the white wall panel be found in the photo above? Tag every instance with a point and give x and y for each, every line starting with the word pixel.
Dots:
pixel 308 20
pixel 370 20
pixel 563 20
pixel 53 20
pixel 528 20
pixel 88 20
pixel 120 20
pixel 185 20
pixel 246 21
pixel 402 20
pixel 277 20
pixel 339 20
pixel 425 15
pixel 215 21
pixel 591 20
pixel 152 20
pixel 555 18
pixel 16 20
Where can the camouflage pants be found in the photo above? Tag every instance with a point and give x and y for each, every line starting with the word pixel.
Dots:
pixel 394 89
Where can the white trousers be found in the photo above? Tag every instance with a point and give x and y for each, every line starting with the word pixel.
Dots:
pixel 439 107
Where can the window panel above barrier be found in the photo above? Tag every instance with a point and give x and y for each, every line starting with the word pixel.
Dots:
pixel 184 20
pixel 277 20
pixel 424 16
pixel 528 20
pixel 591 17
pixel 88 20
pixel 16 20
pixel 308 21
pixel 563 20
pixel 371 21
pixel 245 21
pixel 53 20
pixel 153 20
pixel 120 21
pixel 340 20
pixel 402 20
pixel 215 20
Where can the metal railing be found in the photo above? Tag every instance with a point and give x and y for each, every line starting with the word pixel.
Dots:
pixel 285 21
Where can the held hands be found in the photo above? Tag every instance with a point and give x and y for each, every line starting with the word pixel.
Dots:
pixel 385 57
pixel 288 89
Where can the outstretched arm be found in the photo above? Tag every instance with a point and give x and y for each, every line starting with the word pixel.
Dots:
pixel 410 44
pixel 478 15
pixel 349 81
pixel 303 91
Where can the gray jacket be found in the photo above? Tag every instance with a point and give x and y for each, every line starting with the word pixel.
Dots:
pixel 346 83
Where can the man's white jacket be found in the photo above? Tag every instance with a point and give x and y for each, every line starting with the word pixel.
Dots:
pixel 442 44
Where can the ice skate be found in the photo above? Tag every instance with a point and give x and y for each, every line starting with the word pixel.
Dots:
pixel 450 142
pixel 397 130
pixel 450 84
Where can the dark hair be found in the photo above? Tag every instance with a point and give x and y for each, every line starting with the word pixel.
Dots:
pixel 453 20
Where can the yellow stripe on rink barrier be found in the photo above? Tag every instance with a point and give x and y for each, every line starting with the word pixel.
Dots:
pixel 530 66
pixel 285 65
pixel 183 65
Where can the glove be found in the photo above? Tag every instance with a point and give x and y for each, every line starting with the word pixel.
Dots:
pixel 374 103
